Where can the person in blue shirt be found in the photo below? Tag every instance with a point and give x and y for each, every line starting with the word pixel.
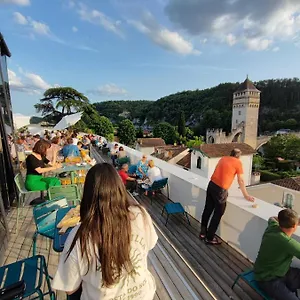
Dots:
pixel 70 149
pixel 142 167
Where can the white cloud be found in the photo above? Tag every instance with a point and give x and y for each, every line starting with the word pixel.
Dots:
pixel 99 18
pixel 109 89
pixel 20 19
pixel 74 29
pixel 163 37
pixel 275 49
pixel 40 28
pixel 256 24
pixel 29 83
pixel 17 2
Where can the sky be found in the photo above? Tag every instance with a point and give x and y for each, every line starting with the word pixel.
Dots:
pixel 142 49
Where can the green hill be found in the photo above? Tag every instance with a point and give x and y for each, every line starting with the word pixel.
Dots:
pixel 211 108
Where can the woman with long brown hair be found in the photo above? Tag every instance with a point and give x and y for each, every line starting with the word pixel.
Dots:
pixel 106 255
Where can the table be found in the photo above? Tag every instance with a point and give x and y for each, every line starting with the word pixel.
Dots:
pixel 72 169
pixel 60 239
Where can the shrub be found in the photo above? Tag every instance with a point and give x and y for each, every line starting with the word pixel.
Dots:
pixel 269 176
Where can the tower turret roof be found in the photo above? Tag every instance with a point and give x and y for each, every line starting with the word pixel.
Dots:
pixel 247 85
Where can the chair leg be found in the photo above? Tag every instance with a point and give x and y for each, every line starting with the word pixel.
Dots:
pixel 236 280
pixel 187 217
pixel 163 210
pixel 167 219
pixel 34 244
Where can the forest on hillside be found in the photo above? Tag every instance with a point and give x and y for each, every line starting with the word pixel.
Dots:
pixel 211 108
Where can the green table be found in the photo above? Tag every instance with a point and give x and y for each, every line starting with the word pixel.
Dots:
pixel 72 169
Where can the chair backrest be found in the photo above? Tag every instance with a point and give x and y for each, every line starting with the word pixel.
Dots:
pixel 159 184
pixel 70 192
pixel 73 159
pixel 124 160
pixel 132 169
pixel 20 183
pixel 45 214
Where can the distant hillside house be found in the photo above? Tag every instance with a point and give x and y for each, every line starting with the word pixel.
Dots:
pixel 148 145
pixel 205 158
pixel 171 154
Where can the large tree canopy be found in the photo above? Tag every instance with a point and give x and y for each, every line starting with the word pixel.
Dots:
pixel 126 132
pixel 165 131
pixel 61 101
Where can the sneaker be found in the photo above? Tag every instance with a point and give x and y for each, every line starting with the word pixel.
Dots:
pixel 213 242
pixel 134 194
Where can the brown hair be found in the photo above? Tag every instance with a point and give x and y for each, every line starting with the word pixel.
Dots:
pixel 41 147
pixel 70 141
pixel 105 230
pixel 55 140
pixel 287 218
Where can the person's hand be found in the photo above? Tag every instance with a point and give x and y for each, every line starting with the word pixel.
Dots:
pixel 57 165
pixel 249 198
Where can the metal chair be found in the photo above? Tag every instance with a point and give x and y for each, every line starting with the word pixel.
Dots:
pixel 44 217
pixel 23 192
pixel 122 161
pixel 132 169
pixel 173 209
pixel 70 192
pixel 157 186
pixel 33 271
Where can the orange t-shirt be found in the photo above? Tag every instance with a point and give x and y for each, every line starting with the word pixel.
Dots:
pixel 226 170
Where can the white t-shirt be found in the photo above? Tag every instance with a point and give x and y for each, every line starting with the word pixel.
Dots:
pixel 154 174
pixel 75 141
pixel 73 272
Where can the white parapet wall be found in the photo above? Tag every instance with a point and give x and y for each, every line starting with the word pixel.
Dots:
pixel 241 227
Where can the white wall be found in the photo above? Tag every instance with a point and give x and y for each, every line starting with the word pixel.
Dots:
pixel 242 226
pixel 209 165
pixel 145 150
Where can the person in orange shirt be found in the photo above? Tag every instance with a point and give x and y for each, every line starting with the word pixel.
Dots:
pixel 217 193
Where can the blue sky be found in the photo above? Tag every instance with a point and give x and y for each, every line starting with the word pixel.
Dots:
pixel 141 49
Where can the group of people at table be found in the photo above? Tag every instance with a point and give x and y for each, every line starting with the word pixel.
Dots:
pixel 145 173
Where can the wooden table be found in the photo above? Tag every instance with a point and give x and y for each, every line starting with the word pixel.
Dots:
pixel 72 169
pixel 60 239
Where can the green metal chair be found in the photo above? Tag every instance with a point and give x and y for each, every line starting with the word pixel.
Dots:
pixel 70 192
pixel 157 186
pixel 44 217
pixel 33 271
pixel 23 193
pixel 123 160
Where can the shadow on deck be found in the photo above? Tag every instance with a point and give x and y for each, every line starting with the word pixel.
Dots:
pixel 214 266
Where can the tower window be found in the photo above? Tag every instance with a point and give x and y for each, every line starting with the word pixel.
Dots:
pixel 199 162
pixel 240 112
pixel 236 121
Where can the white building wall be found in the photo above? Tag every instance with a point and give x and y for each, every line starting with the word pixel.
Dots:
pixel 241 227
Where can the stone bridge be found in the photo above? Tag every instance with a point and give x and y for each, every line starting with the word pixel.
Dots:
pixel 263 139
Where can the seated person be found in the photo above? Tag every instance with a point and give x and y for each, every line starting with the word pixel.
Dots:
pixel 121 153
pixel 142 167
pixel 128 180
pixel 52 152
pixel 70 149
pixel 83 153
pixel 272 268
pixel 153 174
pixel 36 166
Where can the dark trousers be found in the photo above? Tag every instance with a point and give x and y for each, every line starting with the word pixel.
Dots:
pixel 131 186
pixel 114 158
pixel 215 204
pixel 283 288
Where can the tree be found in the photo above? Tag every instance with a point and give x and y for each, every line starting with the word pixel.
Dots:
pixel 126 132
pixel 181 125
pixel 61 101
pixel 165 131
pixel 196 142
pixel 139 133
pixel 258 162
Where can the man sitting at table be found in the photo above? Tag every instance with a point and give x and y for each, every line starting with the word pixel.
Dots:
pixel 272 268
pixel 128 180
pixel 70 149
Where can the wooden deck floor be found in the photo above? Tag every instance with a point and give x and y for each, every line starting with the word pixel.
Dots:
pixel 216 266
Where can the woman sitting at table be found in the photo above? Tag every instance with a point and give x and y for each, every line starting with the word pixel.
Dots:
pixel 70 149
pixel 142 167
pixel 153 174
pixel 121 153
pixel 36 166
pixel 53 150
pixel 105 257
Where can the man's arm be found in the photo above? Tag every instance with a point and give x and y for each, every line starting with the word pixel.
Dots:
pixel 241 183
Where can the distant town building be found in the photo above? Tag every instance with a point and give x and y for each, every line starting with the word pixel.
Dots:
pixel 147 145
pixel 205 158
pixel 244 125
pixel 171 154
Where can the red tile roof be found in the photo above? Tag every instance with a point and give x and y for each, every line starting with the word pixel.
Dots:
pixel 290 183
pixel 219 150
pixel 247 85
pixel 168 152
pixel 185 161
pixel 151 142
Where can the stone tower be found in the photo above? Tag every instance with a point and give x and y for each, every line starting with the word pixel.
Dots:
pixel 245 108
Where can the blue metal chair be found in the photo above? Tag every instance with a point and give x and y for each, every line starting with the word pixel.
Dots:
pixel 157 186
pixel 248 276
pixel 32 270
pixel 173 209
pixel 44 217
pixel 132 169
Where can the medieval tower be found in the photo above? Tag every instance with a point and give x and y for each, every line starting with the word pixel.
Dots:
pixel 244 125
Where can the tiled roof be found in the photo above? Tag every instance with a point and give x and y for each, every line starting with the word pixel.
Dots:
pixel 290 183
pixel 247 85
pixel 151 142
pixel 219 150
pixel 185 161
pixel 172 150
